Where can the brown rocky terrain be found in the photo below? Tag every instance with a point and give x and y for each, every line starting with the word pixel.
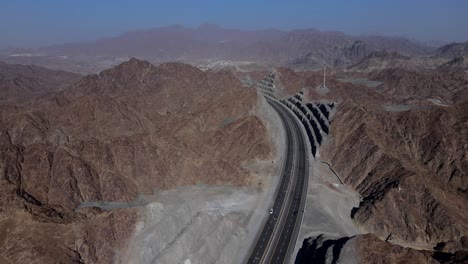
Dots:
pixel 408 164
pixel 136 128
pixel 20 83
pixel 291 82
pixel 411 174
pixel 453 50
pixel 108 138
pixel 341 57
pixel 371 249
pixel 458 62
pixel 447 84
pixel 382 60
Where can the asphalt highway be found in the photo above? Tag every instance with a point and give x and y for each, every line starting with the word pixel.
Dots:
pixel 276 242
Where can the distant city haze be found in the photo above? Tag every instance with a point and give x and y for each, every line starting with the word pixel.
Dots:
pixel 32 23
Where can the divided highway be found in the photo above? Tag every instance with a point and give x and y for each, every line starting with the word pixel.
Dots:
pixel 276 242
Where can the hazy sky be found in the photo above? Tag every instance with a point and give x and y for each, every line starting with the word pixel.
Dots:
pixel 32 23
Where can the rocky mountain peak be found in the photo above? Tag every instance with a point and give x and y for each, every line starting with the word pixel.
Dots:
pixel 131 67
pixel 142 76
pixel 357 49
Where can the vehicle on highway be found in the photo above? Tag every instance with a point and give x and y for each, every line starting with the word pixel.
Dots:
pixel 271 211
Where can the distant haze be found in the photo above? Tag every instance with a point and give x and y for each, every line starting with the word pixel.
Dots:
pixel 29 23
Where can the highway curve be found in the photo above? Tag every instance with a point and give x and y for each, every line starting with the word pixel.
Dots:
pixel 275 244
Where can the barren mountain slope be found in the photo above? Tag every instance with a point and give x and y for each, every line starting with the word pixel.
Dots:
pixel 127 131
pixel 209 41
pixel 453 50
pixel 341 56
pixel 409 165
pixel 448 84
pixel 381 60
pixel 19 83
pixel 410 171
pixel 452 55
pixel 292 82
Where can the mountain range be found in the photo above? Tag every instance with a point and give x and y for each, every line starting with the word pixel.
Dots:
pixel 310 48
pixel 111 137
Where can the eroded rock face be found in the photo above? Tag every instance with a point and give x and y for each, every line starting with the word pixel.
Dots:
pixel 402 145
pixel 453 50
pixel 371 249
pixel 352 54
pixel 409 171
pixel 110 137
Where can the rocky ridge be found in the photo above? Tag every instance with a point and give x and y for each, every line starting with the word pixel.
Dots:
pixel 301 48
pixel 112 137
pixel 20 83
pixel 448 56
pixel 412 163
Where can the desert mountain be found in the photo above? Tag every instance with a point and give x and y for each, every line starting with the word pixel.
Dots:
pixel 448 56
pixel 411 135
pixel 379 60
pixel 452 51
pixel 21 83
pixel 456 53
pixel 446 84
pixel 108 138
pixel 410 163
pixel 458 62
pixel 340 57
pixel 298 48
